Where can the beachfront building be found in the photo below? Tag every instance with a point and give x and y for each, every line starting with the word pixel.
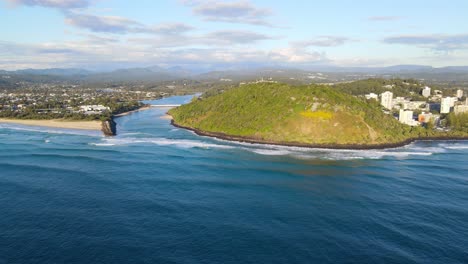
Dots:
pixel 406 117
pixel 386 99
pixel 426 92
pixel 459 94
pixel 93 109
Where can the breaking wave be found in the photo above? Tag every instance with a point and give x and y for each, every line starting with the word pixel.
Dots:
pixel 181 143
pixel 412 150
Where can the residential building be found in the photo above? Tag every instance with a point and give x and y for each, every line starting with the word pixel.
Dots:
pixel 371 96
pixel 426 92
pixel 415 105
pixel 459 94
pixel 386 99
pixel 425 117
pixel 94 108
pixel 446 104
pixel 453 100
pixel 406 117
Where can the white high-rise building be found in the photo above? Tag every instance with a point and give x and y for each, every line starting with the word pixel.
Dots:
pixel 386 99
pixel 446 104
pixel 406 117
pixel 452 101
pixel 459 94
pixel 426 92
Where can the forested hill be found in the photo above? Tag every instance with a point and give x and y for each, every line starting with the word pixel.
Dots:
pixel 302 114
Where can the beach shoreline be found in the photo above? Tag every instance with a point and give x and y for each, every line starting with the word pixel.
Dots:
pixel 166 117
pixel 316 146
pixel 56 123
pixel 107 127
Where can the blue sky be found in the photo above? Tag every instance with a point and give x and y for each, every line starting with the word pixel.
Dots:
pixel 107 34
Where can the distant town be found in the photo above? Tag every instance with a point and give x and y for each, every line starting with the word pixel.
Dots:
pixel 421 113
pixel 36 95
pixel 51 100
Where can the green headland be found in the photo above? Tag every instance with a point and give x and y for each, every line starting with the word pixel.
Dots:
pixel 313 115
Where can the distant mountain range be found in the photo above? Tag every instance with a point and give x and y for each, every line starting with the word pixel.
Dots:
pixel 156 73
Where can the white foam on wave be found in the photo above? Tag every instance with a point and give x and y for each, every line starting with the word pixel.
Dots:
pixel 101 144
pixel 458 146
pixel 49 130
pixel 334 154
pixel 294 152
pixel 181 143
pixel 131 134
pixel 271 152
pixel 413 148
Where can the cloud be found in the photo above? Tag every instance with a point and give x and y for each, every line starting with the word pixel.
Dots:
pixel 90 54
pixel 61 4
pixel 100 39
pixel 242 12
pixel 121 25
pixel 216 38
pixel 234 37
pixel 111 24
pixel 385 18
pixel 171 29
pixel 438 43
pixel 52 50
pixel 322 41
pixel 297 56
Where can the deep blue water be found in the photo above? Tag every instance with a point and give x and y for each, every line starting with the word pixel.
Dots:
pixel 156 194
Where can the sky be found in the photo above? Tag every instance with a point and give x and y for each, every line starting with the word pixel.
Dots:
pixel 111 34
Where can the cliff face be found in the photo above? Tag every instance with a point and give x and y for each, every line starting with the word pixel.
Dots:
pixel 109 128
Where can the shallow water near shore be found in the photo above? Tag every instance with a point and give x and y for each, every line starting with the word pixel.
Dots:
pixel 159 194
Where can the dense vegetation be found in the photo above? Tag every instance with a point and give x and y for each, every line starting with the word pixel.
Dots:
pixel 458 122
pixel 312 114
pixel 55 110
pixel 400 87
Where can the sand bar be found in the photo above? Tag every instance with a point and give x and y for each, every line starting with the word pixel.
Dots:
pixel 57 123
pixel 167 117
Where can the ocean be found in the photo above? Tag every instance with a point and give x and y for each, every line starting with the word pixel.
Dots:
pixel 158 194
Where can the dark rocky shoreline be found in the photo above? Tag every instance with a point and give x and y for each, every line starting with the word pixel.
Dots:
pixel 109 128
pixel 323 146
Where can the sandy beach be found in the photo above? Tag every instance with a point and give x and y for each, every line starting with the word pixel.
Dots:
pixel 57 123
pixel 167 117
